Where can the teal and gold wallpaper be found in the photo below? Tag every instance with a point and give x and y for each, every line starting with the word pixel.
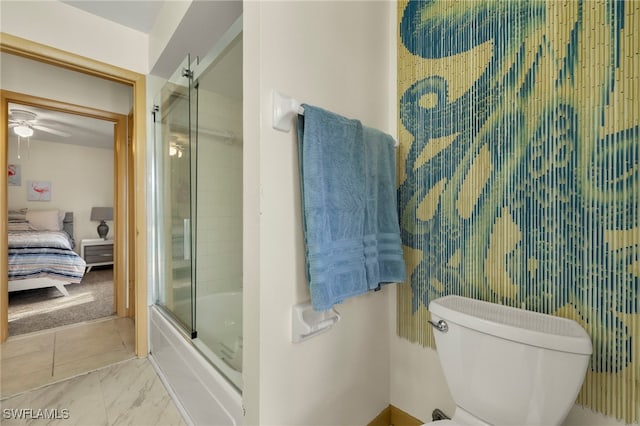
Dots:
pixel 519 170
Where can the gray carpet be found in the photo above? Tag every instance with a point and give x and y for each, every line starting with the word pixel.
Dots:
pixel 43 308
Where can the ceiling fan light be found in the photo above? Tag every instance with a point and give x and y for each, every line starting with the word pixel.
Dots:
pixel 23 131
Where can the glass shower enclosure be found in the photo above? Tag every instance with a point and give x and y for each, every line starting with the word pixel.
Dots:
pixel 198 203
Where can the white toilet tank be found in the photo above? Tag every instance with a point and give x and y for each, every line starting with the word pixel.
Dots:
pixel 509 366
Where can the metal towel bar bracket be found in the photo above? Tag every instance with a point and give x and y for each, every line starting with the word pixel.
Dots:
pixel 285 109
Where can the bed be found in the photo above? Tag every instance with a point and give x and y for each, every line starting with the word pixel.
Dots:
pixel 40 259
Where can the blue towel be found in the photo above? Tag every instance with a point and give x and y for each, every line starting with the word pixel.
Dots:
pixel 382 244
pixel 350 221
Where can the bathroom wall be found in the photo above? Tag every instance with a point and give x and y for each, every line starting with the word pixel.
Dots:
pixel 65 27
pixel 519 180
pixel 35 78
pixel 335 55
pixel 219 194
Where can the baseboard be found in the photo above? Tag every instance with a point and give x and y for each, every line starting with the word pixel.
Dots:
pixel 382 419
pixel 393 416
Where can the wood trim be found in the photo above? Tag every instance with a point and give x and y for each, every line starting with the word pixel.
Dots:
pixel 382 419
pixel 51 55
pixel 402 418
pixel 52 104
pixel 60 58
pixel 138 209
pixel 395 417
pixel 4 261
pixel 131 222
pixel 120 264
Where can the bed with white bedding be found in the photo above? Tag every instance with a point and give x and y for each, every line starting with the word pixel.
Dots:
pixel 43 258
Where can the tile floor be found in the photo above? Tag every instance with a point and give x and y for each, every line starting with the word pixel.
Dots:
pixel 105 383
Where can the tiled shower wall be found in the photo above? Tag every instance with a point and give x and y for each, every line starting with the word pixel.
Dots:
pixel 219 195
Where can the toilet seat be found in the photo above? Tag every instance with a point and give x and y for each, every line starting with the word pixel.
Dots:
pixel 442 423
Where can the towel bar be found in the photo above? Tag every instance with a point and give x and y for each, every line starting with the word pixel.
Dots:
pixel 307 323
pixel 285 109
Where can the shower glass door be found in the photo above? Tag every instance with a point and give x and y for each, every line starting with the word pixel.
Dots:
pixel 175 201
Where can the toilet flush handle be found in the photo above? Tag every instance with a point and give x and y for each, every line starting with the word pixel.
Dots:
pixel 440 326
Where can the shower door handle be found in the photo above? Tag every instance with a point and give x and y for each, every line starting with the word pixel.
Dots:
pixel 186 238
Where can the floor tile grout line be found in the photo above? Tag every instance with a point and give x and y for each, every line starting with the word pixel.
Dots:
pixel 53 354
pixel 55 359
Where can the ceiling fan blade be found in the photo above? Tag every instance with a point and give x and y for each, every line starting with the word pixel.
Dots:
pixel 52 131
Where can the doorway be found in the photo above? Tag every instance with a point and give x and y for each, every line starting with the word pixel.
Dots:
pixel 83 152
pixel 132 237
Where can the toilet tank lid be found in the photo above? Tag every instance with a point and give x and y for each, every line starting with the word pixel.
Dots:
pixel 518 325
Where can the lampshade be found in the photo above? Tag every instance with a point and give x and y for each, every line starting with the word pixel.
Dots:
pixel 23 131
pixel 101 213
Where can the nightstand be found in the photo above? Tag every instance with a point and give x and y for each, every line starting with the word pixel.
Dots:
pixel 96 252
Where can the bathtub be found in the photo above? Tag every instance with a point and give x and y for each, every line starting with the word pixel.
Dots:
pixel 219 326
pixel 192 370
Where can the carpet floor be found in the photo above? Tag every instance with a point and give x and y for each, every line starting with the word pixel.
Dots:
pixel 44 308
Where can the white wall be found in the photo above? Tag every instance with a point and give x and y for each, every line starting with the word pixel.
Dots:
pixel 65 27
pixel 47 81
pixel 80 177
pixel 167 21
pixel 334 55
pixel 219 224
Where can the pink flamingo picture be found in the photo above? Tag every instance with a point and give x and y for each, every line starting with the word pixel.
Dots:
pixel 40 191
pixel 13 175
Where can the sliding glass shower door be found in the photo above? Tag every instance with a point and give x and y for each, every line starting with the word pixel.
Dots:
pixel 175 200
pixel 198 164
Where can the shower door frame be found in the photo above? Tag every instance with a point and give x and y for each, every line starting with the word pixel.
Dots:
pixel 182 77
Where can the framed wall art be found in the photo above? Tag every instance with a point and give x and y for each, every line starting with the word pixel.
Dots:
pixel 39 190
pixel 14 177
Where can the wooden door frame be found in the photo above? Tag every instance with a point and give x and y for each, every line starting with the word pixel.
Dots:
pixel 42 53
pixel 120 187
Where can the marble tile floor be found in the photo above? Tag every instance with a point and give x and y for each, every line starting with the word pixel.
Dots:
pixel 32 360
pixel 85 374
pixel 127 393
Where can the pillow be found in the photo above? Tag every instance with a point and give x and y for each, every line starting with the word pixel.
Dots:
pixel 17 215
pixel 44 220
pixel 18 226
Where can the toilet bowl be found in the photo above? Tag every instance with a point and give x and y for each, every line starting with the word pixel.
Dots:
pixel 508 366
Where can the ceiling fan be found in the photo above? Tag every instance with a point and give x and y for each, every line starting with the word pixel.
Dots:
pixel 25 122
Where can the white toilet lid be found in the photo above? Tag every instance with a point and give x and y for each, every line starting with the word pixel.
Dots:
pixel 442 423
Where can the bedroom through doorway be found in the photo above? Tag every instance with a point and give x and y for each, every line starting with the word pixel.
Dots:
pixel 78 155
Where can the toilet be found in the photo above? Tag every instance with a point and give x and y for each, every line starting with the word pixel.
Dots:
pixel 508 366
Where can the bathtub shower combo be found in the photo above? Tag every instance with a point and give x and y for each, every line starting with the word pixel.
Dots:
pixel 196 318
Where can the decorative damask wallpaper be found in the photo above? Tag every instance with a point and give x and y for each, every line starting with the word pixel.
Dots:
pixel 520 170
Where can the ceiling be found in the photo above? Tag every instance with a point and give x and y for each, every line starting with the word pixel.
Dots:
pixel 135 14
pixel 82 130
pixel 141 16
pixel 85 131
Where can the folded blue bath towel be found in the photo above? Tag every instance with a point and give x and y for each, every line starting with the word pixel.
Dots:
pixel 382 244
pixel 350 218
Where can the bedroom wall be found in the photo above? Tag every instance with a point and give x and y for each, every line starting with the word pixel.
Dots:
pixel 81 177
